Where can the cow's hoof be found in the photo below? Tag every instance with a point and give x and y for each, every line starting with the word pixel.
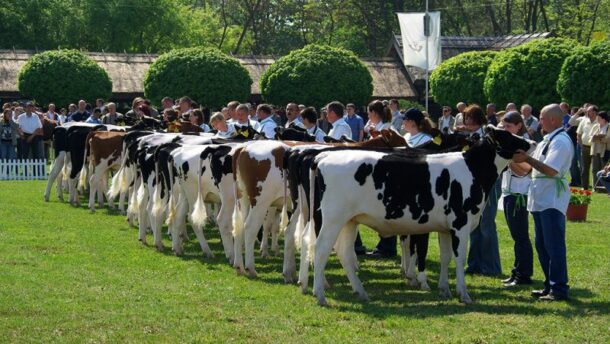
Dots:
pixel 424 286
pixel 160 247
pixel 444 293
pixel 289 277
pixel 251 273
pixel 465 298
pixel 413 283
pixel 276 252
pixel 240 271
pixel 264 254
pixel 230 261
pixel 363 296
pixel 303 287
pixel 46 198
pixel 92 210
pixel 209 255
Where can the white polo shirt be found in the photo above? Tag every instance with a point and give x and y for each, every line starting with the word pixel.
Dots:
pixel 547 192
pixel 297 121
pixel 317 132
pixel 417 139
pixel 28 124
pixel 585 131
pixel 340 128
pixel 267 127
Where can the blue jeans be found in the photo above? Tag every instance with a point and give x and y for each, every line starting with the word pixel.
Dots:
pixel 550 228
pixel 7 151
pixel 484 253
pixel 575 167
pixel 603 180
pixel 517 220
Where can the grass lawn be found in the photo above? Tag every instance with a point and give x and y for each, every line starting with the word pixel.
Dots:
pixel 70 276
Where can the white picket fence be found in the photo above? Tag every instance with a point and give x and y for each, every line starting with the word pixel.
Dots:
pixel 25 169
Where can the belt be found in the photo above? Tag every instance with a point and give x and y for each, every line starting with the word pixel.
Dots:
pixel 559 185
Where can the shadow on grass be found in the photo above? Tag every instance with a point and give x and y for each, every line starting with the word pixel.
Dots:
pixel 386 288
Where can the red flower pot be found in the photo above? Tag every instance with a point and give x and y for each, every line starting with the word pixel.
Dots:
pixel 577 212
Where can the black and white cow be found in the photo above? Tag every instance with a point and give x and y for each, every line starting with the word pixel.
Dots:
pixel 397 194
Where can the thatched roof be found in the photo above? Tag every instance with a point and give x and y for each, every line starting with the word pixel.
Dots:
pixel 455 45
pixel 127 71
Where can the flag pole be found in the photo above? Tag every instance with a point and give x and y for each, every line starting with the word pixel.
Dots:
pixel 427 34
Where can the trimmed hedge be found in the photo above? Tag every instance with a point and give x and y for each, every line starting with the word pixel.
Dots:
pixel 585 76
pixel 62 77
pixel 207 75
pixel 460 78
pixel 317 75
pixel 528 73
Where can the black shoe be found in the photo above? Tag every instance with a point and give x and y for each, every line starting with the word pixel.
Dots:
pixel 540 293
pixel 553 297
pixel 360 250
pixel 380 255
pixel 517 282
pixel 508 280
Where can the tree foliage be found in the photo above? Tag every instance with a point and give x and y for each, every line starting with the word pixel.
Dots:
pixel 63 76
pixel 316 75
pixel 584 76
pixel 460 78
pixel 528 73
pixel 207 75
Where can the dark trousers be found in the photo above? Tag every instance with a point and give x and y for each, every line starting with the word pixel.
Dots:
pixel 387 245
pixel 32 149
pixel 550 228
pixel 575 167
pixel 605 181
pixel 596 165
pixel 585 175
pixel 517 220
pixel 484 253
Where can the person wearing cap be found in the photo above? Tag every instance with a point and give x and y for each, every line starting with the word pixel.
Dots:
pixel 515 185
pixel 446 122
pixel 334 114
pixel 547 201
pixel 484 253
pixel 600 143
pixel 418 133
pixel 95 117
pixel 30 132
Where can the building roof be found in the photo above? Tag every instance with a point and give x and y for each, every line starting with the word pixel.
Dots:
pixel 455 45
pixel 390 79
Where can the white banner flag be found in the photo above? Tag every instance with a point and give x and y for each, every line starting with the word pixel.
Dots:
pixel 414 39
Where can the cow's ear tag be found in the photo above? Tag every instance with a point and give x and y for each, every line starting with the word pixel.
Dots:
pixel 437 140
pixel 466 148
pixel 245 134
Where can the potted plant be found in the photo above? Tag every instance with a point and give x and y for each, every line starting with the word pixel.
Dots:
pixel 579 202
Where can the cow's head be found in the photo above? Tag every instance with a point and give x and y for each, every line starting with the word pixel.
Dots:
pixel 506 143
pixel 293 133
pixel 246 133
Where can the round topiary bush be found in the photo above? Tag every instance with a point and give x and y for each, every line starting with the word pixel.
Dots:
pixel 207 75
pixel 528 73
pixel 317 75
pixel 62 77
pixel 584 76
pixel 460 78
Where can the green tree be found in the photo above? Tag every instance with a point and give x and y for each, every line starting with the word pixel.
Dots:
pixel 528 73
pixel 584 76
pixel 460 78
pixel 63 76
pixel 316 75
pixel 207 75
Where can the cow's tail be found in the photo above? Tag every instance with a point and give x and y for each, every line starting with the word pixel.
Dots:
pixel 172 202
pixel 284 215
pixel 301 220
pixel 119 180
pixel 157 202
pixel 238 217
pixel 82 179
pixel 199 216
pixel 309 239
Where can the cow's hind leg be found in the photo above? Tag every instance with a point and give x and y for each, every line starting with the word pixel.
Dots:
pixel 421 247
pixel 255 219
pixel 267 224
pixel 444 243
pixel 324 243
pixel 289 266
pixel 224 227
pixel 55 172
pixel 460 240
pixel 347 257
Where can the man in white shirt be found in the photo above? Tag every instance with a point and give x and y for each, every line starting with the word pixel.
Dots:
pixel 267 124
pixel 30 133
pixel 531 122
pixel 447 121
pixel 292 116
pixel 51 114
pixel 241 118
pixel 584 137
pixel 334 115
pixel 548 199
pixel 459 118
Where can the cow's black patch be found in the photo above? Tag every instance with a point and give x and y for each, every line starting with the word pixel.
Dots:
pixel 76 141
pixel 456 205
pixel 455 242
pixel 442 184
pixel 185 169
pixel 405 183
pixel 220 161
pixel 362 172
